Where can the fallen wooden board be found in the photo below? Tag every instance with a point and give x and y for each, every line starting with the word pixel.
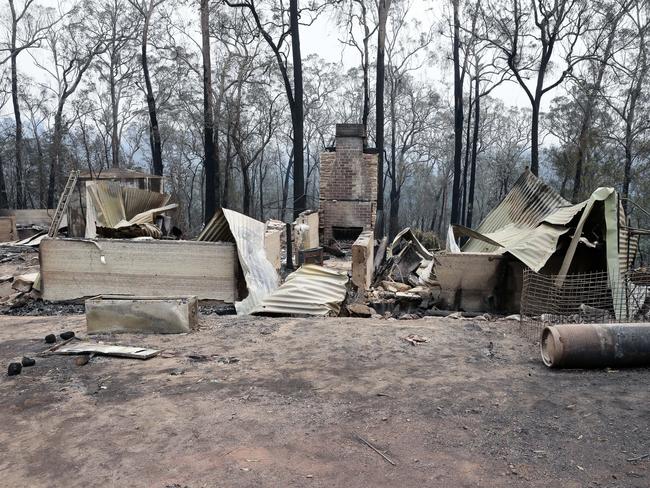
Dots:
pixel 152 315
pixel 77 268
pixel 108 350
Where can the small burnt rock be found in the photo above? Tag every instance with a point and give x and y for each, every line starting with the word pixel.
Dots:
pixel 50 339
pixel 28 361
pixel 67 335
pixel 14 369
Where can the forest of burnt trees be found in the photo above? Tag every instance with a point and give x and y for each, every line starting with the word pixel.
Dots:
pixel 219 97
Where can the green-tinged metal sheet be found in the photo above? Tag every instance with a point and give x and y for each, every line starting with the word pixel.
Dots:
pixel 527 204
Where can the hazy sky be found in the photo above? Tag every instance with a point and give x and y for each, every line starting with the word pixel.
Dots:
pixel 322 38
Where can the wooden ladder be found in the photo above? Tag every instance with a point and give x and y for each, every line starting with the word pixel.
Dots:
pixel 63 203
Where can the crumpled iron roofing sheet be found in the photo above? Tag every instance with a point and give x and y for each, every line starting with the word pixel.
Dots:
pixel 564 215
pixel 248 234
pixel 149 216
pixel 407 235
pixel 311 290
pixel 117 206
pixel 108 203
pixel 532 246
pixel 527 204
pixel 137 201
pixel 216 230
pixel 530 220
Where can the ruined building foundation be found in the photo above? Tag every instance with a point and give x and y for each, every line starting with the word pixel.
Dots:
pixel 348 185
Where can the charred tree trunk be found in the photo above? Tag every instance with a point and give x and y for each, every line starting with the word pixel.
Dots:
pixel 297 115
pixel 366 68
pixel 635 93
pixel 55 151
pixel 458 119
pixel 383 5
pixel 41 170
pixel 4 202
pixel 534 139
pixel 472 184
pixel 246 183
pixel 285 189
pixel 443 205
pixel 154 130
pixel 228 168
pixel 18 147
pixel 463 214
pixel 393 220
pixel 209 149
pixel 261 188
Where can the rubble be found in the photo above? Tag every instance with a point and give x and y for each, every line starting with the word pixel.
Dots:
pixel 531 227
pixel 360 310
pixel 24 282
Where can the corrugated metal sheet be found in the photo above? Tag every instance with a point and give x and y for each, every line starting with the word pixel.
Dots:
pixel 116 206
pixel 536 246
pixel 108 203
pixel 532 246
pixel 564 215
pixel 529 222
pixel 248 234
pixel 217 230
pixel 311 290
pixel 137 201
pixel 149 216
pixel 527 204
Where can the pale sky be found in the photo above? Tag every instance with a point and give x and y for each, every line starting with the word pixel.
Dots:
pixel 322 38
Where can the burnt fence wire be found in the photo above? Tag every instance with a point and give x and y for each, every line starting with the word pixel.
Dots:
pixel 582 298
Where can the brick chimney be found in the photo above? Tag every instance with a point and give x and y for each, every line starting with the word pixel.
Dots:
pixel 348 185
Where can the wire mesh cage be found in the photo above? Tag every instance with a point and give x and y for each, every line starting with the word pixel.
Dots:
pixel 582 298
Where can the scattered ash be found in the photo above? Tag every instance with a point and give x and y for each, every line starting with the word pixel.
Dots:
pixel 223 309
pixel 40 307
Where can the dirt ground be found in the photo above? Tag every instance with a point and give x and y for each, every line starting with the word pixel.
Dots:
pixel 472 407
